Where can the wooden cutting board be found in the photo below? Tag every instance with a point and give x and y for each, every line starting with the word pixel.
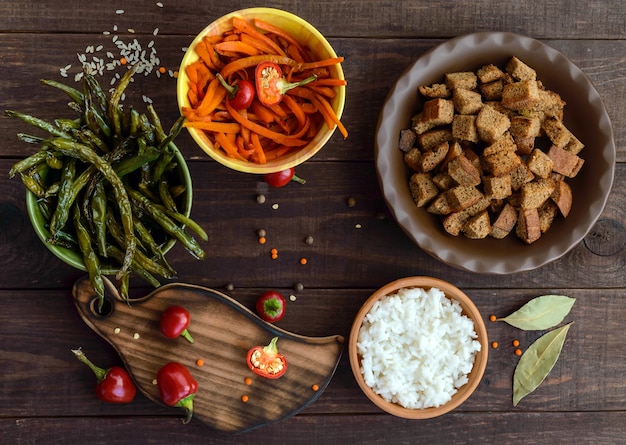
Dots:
pixel 223 331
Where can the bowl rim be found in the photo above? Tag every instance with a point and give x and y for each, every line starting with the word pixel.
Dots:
pixel 443 56
pixel 292 160
pixel 73 258
pixel 469 309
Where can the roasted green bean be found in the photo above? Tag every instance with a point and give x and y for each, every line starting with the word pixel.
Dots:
pixel 86 154
pixel 110 172
pixel 92 264
pixel 167 224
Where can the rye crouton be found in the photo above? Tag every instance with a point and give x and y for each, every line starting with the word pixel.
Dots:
pixel 540 163
pixel 438 112
pixel 519 70
pixel 489 73
pixel 504 223
pixel 502 162
pixel 465 80
pixel 536 192
pixel 463 196
pixel 432 158
pixel 436 90
pixel 520 95
pixel 466 101
pixel 562 197
pixel 566 163
pixel 491 124
pixel 497 187
pixel 423 189
pixel 463 171
pixel 478 226
pixel 528 228
pixel 464 128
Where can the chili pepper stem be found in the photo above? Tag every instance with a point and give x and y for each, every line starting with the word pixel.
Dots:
pixel 187 336
pixel 187 404
pixel 271 348
pixel 284 86
pixel 99 372
pixel 298 179
pixel 231 89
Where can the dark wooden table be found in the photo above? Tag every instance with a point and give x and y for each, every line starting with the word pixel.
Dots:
pixel 46 394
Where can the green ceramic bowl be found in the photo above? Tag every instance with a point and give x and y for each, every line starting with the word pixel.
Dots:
pixel 74 258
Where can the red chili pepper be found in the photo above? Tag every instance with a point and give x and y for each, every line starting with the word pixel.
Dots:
pixel 114 384
pixel 266 361
pixel 282 178
pixel 174 323
pixel 271 85
pixel 271 306
pixel 177 387
pixel 240 95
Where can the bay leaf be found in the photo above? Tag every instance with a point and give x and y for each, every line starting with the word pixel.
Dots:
pixel 541 313
pixel 537 362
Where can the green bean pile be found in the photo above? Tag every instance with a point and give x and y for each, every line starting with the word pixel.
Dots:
pixel 103 181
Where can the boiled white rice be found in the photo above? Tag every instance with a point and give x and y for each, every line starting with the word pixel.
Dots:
pixel 417 348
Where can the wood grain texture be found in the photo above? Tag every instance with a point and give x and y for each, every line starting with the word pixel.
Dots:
pixel 224 331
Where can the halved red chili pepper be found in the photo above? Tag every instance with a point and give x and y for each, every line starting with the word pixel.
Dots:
pixel 177 387
pixel 114 384
pixel 240 94
pixel 271 85
pixel 266 361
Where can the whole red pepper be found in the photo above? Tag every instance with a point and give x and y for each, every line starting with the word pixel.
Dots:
pixel 177 387
pixel 241 94
pixel 271 306
pixel 282 178
pixel 266 361
pixel 114 384
pixel 174 323
pixel 271 85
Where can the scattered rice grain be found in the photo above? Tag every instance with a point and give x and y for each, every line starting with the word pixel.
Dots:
pixel 119 11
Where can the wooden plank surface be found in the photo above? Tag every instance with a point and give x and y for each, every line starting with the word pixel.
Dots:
pixel 46 394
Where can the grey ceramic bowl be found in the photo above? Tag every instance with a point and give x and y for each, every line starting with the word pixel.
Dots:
pixel 585 116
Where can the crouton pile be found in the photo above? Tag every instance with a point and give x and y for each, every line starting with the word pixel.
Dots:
pixel 490 154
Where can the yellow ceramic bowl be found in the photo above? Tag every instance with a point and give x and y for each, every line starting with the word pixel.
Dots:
pixel 305 33
pixel 468 309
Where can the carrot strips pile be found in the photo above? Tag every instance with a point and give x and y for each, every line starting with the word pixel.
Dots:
pixel 259 133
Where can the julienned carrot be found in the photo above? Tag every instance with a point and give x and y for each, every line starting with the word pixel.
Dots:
pixel 221 127
pixel 243 26
pixel 323 107
pixel 214 96
pixel 229 147
pixel 236 46
pixel 256 143
pixel 329 81
pixel 319 63
pixel 287 140
pixel 255 43
pixel 296 109
pixel 265 26
pixel 262 112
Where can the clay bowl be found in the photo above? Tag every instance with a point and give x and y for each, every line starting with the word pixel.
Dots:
pixel 480 359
